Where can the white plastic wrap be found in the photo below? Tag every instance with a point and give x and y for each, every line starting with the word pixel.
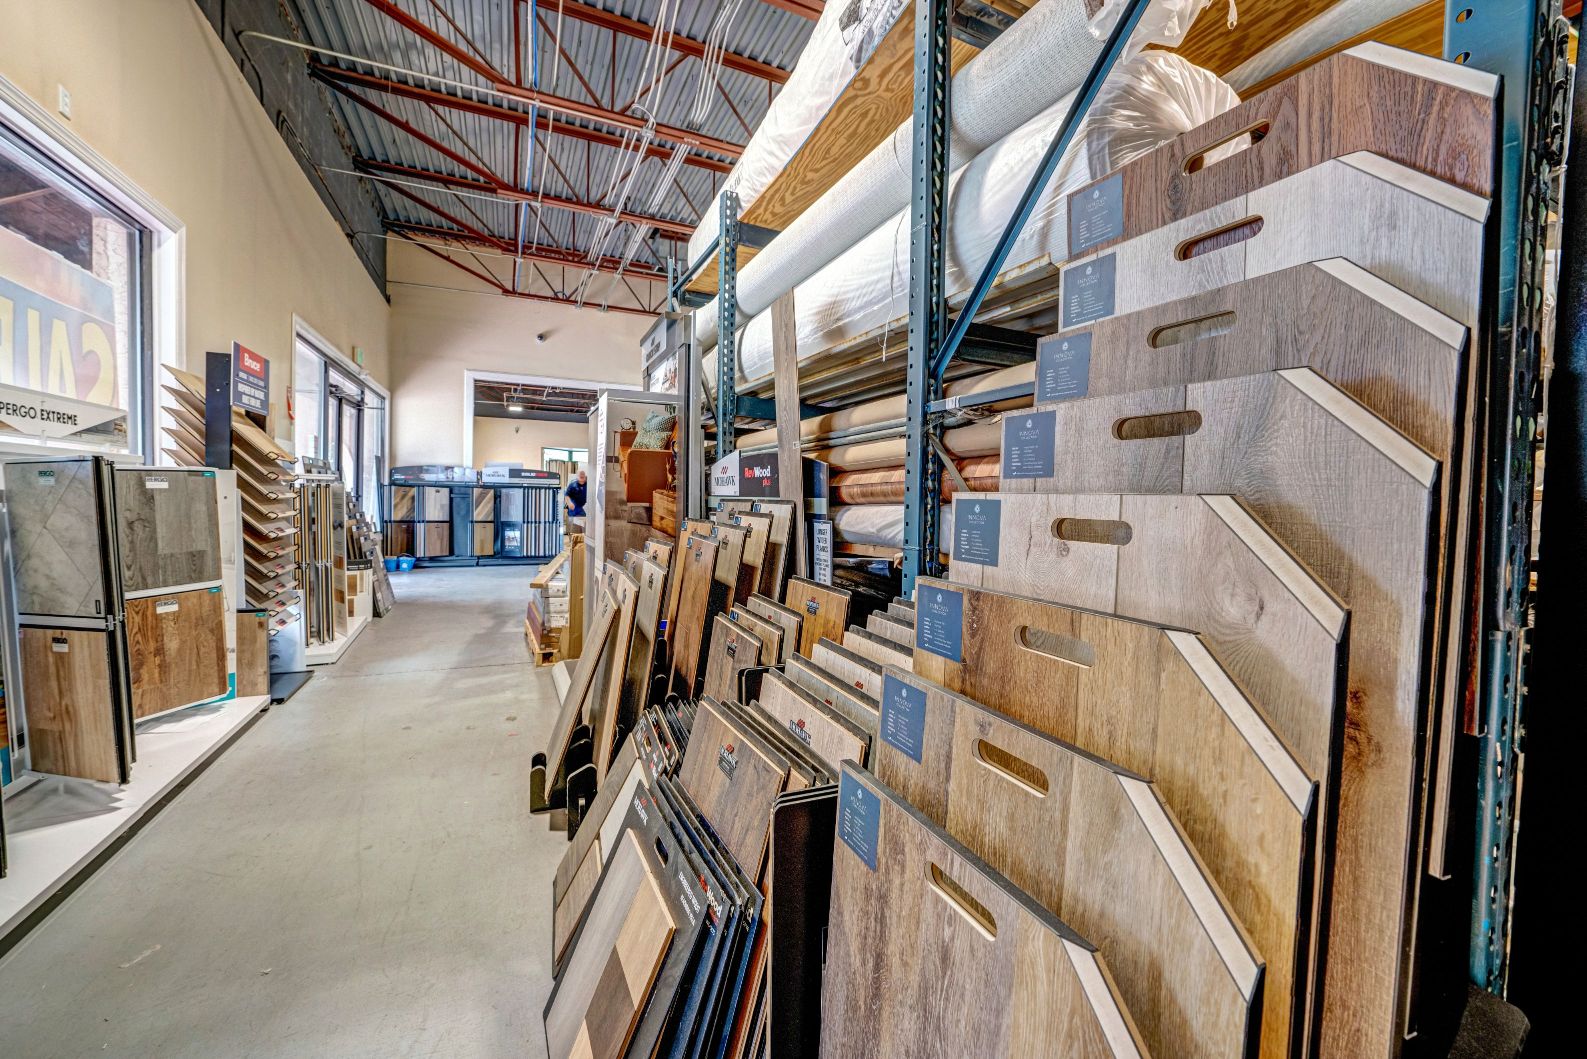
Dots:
pixel 845 36
pixel 880 525
pixel 1148 100
pixel 1343 21
pixel 1042 58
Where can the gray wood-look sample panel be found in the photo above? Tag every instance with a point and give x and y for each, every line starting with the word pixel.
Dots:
pixel 53 510
pixel 1097 847
pixel 830 736
pixel 932 953
pixel 733 777
pixel 733 648
pixel 169 528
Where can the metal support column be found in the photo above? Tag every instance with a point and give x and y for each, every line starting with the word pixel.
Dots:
pixel 1519 40
pixel 928 310
pixel 727 325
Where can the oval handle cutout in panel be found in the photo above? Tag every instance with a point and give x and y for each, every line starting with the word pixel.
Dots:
pixel 1218 239
pixel 661 851
pixel 1093 531
pixel 1016 770
pixel 959 899
pixel 1057 646
pixel 1191 330
pixel 1256 133
pixel 1162 425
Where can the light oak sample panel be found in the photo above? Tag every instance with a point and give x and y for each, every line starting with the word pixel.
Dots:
pixel 791 621
pixel 829 735
pixel 825 610
pixel 72 724
pixel 695 572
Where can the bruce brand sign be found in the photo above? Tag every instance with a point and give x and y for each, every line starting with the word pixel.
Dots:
pixel 250 380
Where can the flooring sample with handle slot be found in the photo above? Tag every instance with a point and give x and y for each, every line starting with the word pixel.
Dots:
pixel 176 646
pixel 1096 846
pixel 831 737
pixel 825 610
pixel 169 528
pixel 931 952
pixel 733 647
pixel 1153 700
pixel 1355 501
pixel 734 777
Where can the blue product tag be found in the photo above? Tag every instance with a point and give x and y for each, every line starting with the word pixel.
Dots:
pixel 1096 214
pixel 977 530
pixel 903 720
pixel 940 622
pixel 1063 367
pixel 859 819
pixel 1087 291
pixel 1028 442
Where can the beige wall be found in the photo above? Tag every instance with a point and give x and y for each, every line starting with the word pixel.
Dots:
pixel 521 440
pixel 438 334
pixel 154 92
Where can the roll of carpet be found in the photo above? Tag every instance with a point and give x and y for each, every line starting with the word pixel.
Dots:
pixel 977 439
pixel 981 474
pixel 880 525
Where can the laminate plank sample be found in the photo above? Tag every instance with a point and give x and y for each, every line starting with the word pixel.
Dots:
pixel 1434 117
pixel 169 526
pixel 71 716
pixel 733 647
pixel 606 691
pixel 1153 700
pixel 568 913
pixel 930 952
pixel 652 579
pixel 790 620
pixel 1354 500
pixel 731 542
pixel 757 543
pixel 574 703
pixel 484 538
pixel 779 560
pixel 877 649
pixel 262 444
pixel 53 513
pixel 253 653
pixel 862 672
pixel 399 538
pixel 830 736
pixel 696 575
pixel 404 503
pixel 838 695
pixel 825 610
pixel 768 632
pixel 484 504
pixel 734 778
pixel 176 646
pixel 1096 846
pixel 599 998
pixel 890 628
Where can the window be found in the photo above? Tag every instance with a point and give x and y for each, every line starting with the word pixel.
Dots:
pixel 374 471
pixel 578 457
pixel 74 348
pixel 308 405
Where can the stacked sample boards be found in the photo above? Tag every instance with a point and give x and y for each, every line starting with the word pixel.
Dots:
pixel 459 521
pixel 1161 765
pixel 323 501
pixel 118 589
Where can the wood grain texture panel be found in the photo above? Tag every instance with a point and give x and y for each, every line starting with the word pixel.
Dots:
pixel 404 503
pixel 780 563
pixel 573 710
pixel 1213 43
pixel 878 650
pixel 71 717
pixel 830 736
pixel 891 628
pixel 606 692
pixel 609 799
pixel 859 671
pixel 730 544
pixel 52 512
pixel 1155 701
pixel 261 444
pixel 791 621
pixel 484 504
pixel 598 1000
pixel 1098 848
pixel 568 913
pixel 757 546
pixel 733 647
pixel 169 528
pixel 733 777
pixel 1354 501
pixel 832 690
pixel 652 579
pixel 253 653
pixel 484 538
pixel 769 633
pixel 176 646
pixel 399 538
pixel 696 574
pixel 934 953
pixel 1420 30
pixel 825 610
pixel 1430 116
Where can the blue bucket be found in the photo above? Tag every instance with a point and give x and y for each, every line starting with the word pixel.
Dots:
pixel 405 563
pixel 391 566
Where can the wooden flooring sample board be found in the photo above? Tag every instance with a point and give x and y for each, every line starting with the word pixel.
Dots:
pixel 652 578
pixel 1153 700
pixel 599 998
pixel 859 671
pixel 878 649
pixel 825 610
pixel 695 571
pixel 169 528
pixel 606 692
pixel 176 646
pixel 757 527
pixel 830 736
pixel 253 653
pixel 1354 501
pixel 1434 117
pixel 891 628
pixel 791 621
pixel 573 710
pixel 1096 846
pixel 72 724
pixel 734 777
pixel 768 632
pixel 733 647
pixel 779 546
pixel 932 953
pixel 834 692
pixel 731 542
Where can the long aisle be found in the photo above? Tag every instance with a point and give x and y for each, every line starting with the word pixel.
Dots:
pixel 356 876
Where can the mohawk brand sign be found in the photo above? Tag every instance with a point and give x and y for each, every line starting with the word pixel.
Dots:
pixel 746 475
pixel 57 349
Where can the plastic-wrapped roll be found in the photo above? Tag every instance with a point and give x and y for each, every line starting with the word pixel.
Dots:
pixel 880 525
pixel 980 473
pixel 1149 100
pixel 977 439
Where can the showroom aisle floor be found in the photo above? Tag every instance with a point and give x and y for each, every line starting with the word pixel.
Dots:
pixel 356 876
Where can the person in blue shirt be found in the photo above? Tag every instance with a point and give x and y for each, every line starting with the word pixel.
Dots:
pixel 577 492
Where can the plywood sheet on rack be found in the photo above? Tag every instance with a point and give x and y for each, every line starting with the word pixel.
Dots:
pixel 1153 700
pixel 927 943
pixel 71 718
pixel 169 528
pixel 1097 847
pixel 1219 47
pixel 1419 30
pixel 825 610
pixel 176 646
pixel 1355 502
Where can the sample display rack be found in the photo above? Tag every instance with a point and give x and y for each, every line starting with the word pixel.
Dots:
pixel 449 516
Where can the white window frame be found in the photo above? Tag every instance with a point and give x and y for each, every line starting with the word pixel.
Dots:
pixel 167 238
pixel 328 351
pixel 471 376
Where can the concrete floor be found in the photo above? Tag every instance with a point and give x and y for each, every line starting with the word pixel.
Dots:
pixel 357 876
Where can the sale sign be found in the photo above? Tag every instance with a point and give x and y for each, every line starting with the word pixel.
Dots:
pixel 56 326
